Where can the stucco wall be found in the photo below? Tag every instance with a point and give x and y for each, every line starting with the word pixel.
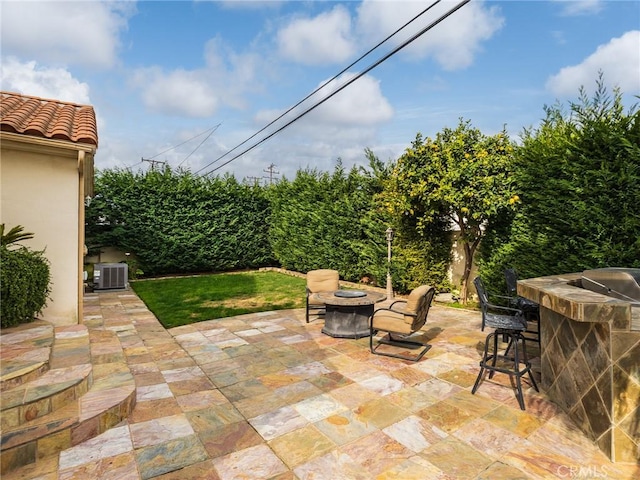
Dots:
pixel 40 191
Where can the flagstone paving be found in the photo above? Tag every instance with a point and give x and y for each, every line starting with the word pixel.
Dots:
pixel 267 396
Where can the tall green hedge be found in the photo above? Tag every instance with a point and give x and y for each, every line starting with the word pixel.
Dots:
pixel 578 176
pixel 338 221
pixel 322 220
pixel 175 222
pixel 24 285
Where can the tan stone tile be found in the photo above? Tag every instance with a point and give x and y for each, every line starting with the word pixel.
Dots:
pixel 144 411
pixel 516 421
pixel 301 445
pixel 410 376
pixel 502 471
pixel 377 452
pixel 119 467
pixel 183 387
pixel 353 395
pixel 380 413
pixel 253 462
pixel 456 458
pixel 198 400
pixel 200 470
pixel 229 438
pixel 446 416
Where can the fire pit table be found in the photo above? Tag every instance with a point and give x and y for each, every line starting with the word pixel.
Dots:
pixel 348 311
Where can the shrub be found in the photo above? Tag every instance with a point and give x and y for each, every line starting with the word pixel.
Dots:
pixel 24 285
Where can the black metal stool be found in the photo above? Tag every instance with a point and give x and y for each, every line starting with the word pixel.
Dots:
pixel 489 361
pixel 530 309
pixel 509 323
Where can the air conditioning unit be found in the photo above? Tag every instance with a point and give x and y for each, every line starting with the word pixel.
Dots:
pixel 110 276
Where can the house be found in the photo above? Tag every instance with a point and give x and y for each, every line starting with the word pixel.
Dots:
pixel 47 148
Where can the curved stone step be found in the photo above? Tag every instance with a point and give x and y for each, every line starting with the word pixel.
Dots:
pixel 109 401
pixel 24 352
pixel 52 390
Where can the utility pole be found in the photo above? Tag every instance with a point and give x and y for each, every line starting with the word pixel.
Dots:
pixel 270 170
pixel 256 180
pixel 153 162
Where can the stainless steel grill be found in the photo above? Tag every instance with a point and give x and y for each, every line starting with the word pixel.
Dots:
pixel 620 283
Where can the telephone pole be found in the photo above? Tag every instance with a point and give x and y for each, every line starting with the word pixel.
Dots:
pixel 270 170
pixel 255 180
pixel 153 162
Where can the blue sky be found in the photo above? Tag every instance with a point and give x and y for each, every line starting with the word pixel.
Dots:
pixel 163 73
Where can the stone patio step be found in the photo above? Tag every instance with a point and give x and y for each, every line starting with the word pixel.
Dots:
pixel 24 353
pixel 51 391
pixel 85 389
pixel 109 401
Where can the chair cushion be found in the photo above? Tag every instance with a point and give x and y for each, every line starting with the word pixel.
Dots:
pixel 389 321
pixel 324 280
pixel 315 300
pixel 415 302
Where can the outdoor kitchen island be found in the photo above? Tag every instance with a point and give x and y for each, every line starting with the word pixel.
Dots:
pixel 590 360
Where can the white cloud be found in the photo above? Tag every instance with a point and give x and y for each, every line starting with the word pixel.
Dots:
pixel 223 80
pixel 453 43
pixel 179 92
pixel 324 39
pixel 619 60
pixel 359 105
pixel 30 79
pixel 580 7
pixel 66 33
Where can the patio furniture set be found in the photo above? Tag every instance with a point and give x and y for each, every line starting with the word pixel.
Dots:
pixel 351 314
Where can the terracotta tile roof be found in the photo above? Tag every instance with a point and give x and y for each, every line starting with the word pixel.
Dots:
pixel 45 118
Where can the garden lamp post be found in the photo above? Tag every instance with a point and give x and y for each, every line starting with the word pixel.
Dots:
pixel 389 234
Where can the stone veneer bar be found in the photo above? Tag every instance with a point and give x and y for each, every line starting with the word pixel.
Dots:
pixel 590 360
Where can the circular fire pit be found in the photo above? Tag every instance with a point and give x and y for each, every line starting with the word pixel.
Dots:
pixel 348 311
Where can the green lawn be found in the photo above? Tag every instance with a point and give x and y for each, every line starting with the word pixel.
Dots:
pixel 184 300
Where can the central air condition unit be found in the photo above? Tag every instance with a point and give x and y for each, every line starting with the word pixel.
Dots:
pixel 110 276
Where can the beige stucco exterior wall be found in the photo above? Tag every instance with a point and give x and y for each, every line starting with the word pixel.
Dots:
pixel 41 188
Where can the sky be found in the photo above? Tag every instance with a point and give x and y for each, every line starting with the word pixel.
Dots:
pixel 187 82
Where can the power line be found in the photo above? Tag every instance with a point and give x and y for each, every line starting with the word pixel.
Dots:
pixel 186 141
pixel 367 70
pixel 200 144
pixel 323 85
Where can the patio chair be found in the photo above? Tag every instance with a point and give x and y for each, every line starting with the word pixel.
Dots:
pixel 400 320
pixel 509 324
pixel 318 281
pixel 530 309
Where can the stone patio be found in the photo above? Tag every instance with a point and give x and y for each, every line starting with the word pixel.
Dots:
pixel 267 396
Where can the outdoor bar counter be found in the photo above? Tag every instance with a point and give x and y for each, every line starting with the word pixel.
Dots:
pixel 590 360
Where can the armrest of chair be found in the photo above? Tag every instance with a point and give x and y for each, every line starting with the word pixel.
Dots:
pixel 398 309
pixel 506 310
pixel 390 307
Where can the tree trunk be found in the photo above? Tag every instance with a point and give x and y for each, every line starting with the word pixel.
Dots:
pixel 469 252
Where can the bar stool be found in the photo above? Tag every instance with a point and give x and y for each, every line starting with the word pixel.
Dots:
pixel 530 309
pixel 509 324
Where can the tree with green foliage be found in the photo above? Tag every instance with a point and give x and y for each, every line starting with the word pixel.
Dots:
pixel 578 177
pixel 461 178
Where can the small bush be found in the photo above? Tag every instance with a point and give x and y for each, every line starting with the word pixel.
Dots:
pixel 24 285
